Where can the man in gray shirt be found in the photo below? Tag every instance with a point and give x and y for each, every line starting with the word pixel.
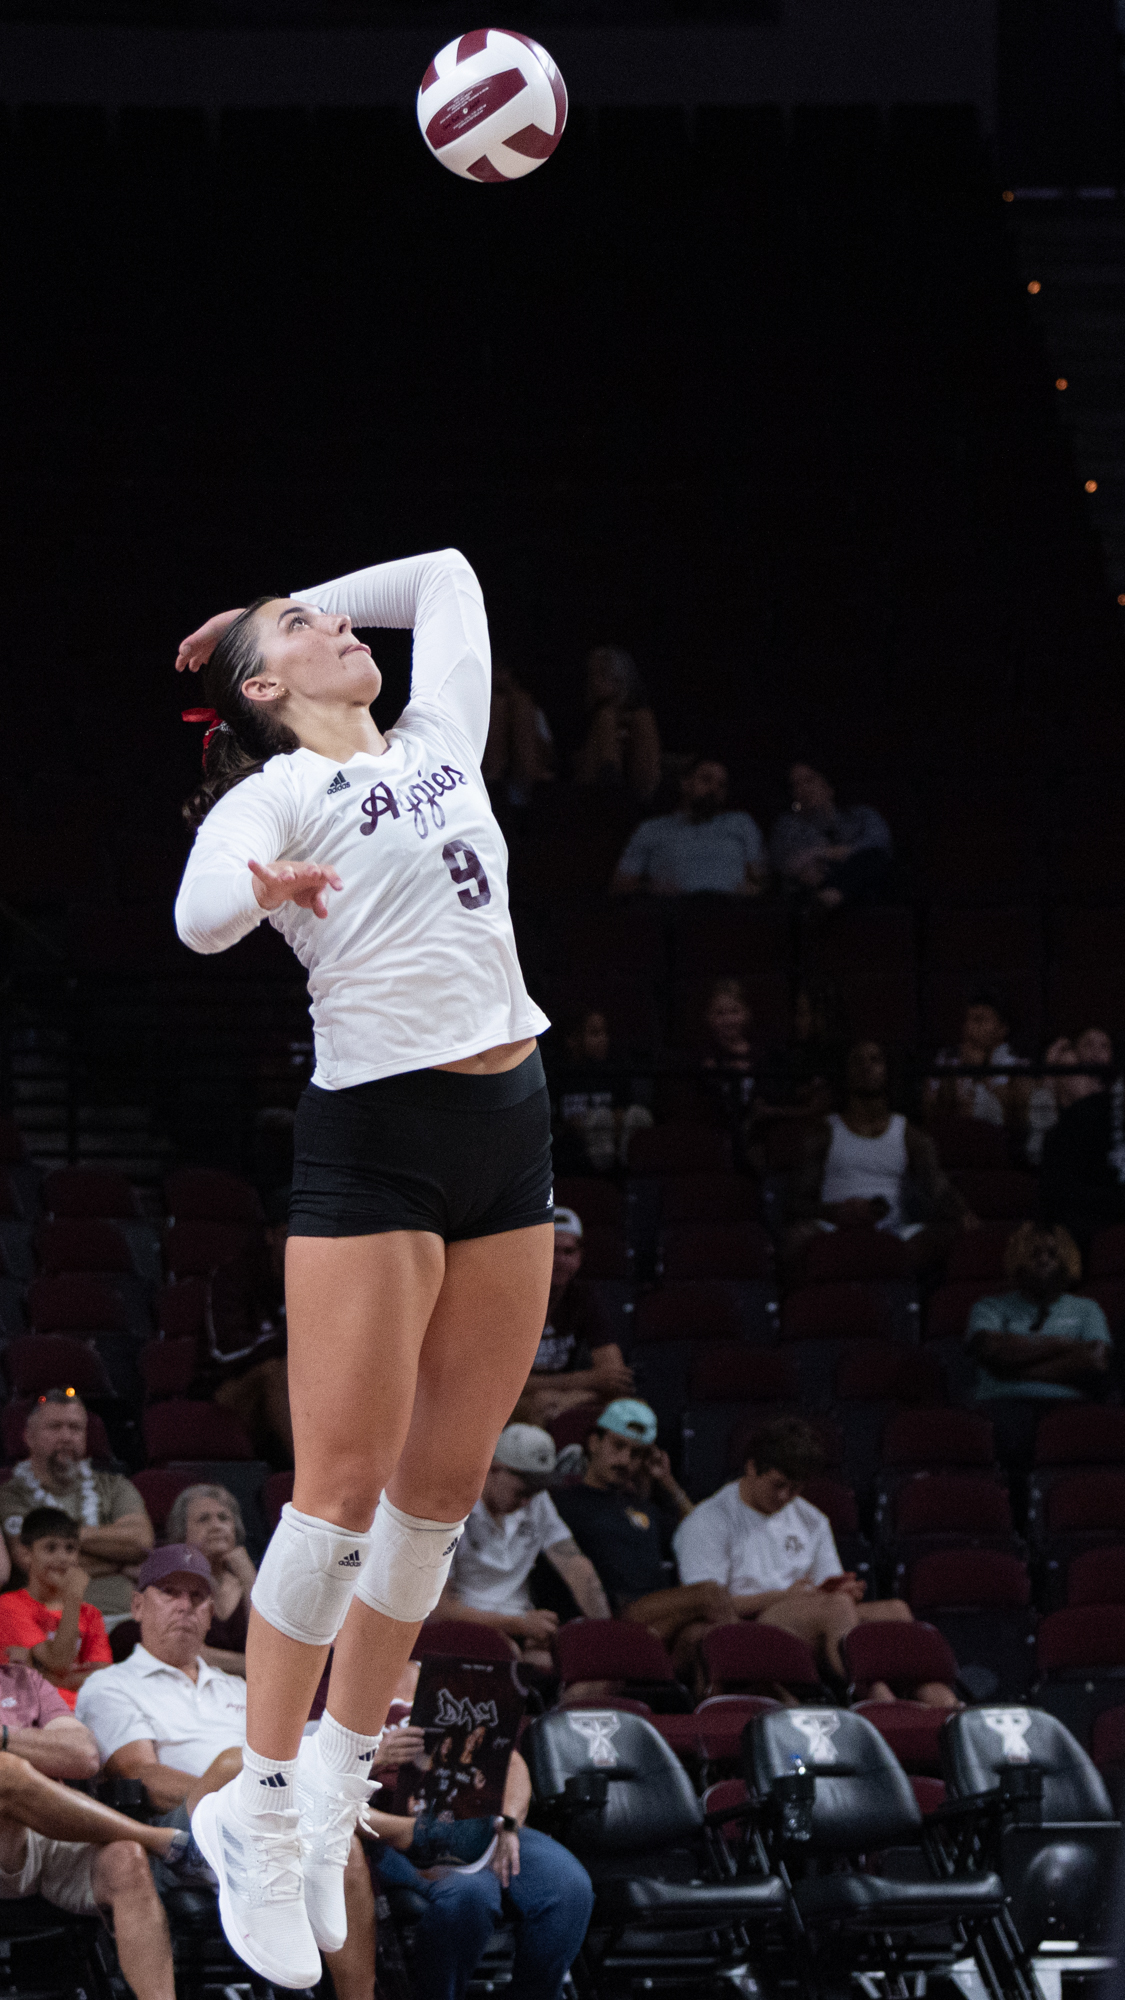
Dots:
pixel 840 854
pixel 702 847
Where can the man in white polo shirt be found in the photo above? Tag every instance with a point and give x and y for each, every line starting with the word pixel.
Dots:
pixel 168 1719
pixel 514 1522
pixel 775 1552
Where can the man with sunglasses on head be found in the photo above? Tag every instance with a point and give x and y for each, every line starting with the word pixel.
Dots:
pixel 114 1531
pixel 623 1517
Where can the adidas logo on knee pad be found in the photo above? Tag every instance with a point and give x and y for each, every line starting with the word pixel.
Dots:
pixel 354 1561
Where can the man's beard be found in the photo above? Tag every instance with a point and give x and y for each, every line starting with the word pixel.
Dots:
pixel 61 1468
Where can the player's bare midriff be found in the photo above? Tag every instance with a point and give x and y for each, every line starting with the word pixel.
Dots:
pixel 490 1062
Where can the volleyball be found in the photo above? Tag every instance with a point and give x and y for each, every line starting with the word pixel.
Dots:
pixel 492 105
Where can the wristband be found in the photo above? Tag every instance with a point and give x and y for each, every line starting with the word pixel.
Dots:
pixel 504 1823
pixel 4 1738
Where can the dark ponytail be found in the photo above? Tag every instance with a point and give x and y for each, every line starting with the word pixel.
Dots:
pixel 249 734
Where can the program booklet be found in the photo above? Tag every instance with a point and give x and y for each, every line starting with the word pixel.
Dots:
pixel 470 1711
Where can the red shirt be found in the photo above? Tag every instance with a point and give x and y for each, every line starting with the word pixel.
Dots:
pixel 26 1622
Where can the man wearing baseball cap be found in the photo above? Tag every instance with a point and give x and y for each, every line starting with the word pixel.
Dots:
pixel 578 1359
pixel 514 1523
pixel 623 1516
pixel 178 1725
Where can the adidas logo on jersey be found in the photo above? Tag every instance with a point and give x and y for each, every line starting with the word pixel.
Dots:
pixel 339 784
pixel 354 1561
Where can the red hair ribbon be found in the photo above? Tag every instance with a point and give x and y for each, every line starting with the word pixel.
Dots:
pixel 210 716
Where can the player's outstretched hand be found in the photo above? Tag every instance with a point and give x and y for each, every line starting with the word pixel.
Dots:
pixel 197 648
pixel 300 882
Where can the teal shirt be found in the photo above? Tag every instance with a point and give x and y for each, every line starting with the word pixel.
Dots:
pixel 1070 1318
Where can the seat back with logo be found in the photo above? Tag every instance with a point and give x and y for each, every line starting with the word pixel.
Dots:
pixel 649 1800
pixel 863 1797
pixel 980 1744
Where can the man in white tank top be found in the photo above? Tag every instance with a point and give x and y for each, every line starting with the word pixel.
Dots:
pixel 869 1168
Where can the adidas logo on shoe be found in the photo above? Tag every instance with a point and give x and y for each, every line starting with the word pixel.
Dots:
pixel 354 1561
pixel 339 784
pixel 276 1782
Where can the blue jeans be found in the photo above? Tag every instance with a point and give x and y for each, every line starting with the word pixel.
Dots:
pixel 551 1896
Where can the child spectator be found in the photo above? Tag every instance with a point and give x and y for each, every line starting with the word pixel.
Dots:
pixel 983 1044
pixel 47 1625
pixel 1037 1343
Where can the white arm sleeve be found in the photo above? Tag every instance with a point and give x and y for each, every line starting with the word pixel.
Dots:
pixel 216 905
pixel 437 596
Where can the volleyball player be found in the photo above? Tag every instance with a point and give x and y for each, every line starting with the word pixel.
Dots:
pixel 420 1239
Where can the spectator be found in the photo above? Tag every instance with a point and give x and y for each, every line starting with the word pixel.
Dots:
pixel 254 1383
pixel 983 1044
pixel 839 855
pixel 868 1168
pixel 1051 1095
pixel 577 1360
pixel 598 1102
pixel 1083 1178
pixel 518 754
pixel 804 1077
pixel 699 848
pixel 1038 1342
pixel 514 1523
pixel 210 1519
pixel 775 1554
pixel 64 1846
pixel 115 1533
pixel 624 1516
pixel 527 1874
pixel 167 1719
pixel 47 1625
pixel 621 748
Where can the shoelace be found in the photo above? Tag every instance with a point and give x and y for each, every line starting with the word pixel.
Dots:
pixel 332 1828
pixel 276 1861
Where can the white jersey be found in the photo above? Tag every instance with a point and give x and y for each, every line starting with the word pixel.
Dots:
pixel 415 963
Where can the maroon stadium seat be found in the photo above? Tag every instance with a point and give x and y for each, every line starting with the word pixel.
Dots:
pixel 205 1194
pixel 836 1500
pixel 699 1311
pixel 77 1243
pixel 195 1249
pixel 276 1491
pixel 758 1657
pixel 912 1729
pixel 834 1312
pixel 15 1415
pixel 710 1198
pixel 13 1146
pixel 732 1372
pixel 181 1310
pixel 947 1315
pixel 995 1197
pixel 605 1252
pixel 1087 1636
pixel 886 1372
pixel 158 1488
pixel 1107 1253
pixel 1108 1741
pixel 11 1206
pixel 574 1425
pixel 969 1145
pixel 593 1200
pixel 938 1437
pixel 975 1577
pixel 609 1649
pixel 41 1361
pixel 679 1149
pixel 73 1303
pixel 180 1429
pixel 949 1503
pixel 168 1368
pixel 1081 1434
pixel 713 1733
pixel 901 1654
pixel 977 1255
pixel 873 1255
pixel 739 1250
pixel 460 1638
pixel 1096 1576
pixel 1086 1500
pixel 89 1191
pixel 929 1793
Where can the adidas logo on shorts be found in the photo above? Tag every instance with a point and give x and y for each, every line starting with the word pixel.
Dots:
pixel 354 1561
pixel 339 784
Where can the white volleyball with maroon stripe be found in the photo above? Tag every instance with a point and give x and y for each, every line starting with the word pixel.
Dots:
pixel 492 105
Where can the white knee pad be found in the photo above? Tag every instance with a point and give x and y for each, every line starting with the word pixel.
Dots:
pixel 308 1577
pixel 406 1570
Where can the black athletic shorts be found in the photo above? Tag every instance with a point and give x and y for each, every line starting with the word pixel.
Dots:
pixel 431 1149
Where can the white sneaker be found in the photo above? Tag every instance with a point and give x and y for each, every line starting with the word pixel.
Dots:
pixel 328 1805
pixel 257 1860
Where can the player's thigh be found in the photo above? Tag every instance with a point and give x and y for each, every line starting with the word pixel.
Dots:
pixel 474 1361
pixel 357 1309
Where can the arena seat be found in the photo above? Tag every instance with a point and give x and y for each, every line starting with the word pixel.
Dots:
pixel 1063 1507
pixel 947 1314
pixel 89 1191
pixel 976 1256
pixel 938 1437
pixel 1096 1576
pixel 752 1658
pixel 719 1200
pixel 206 1194
pixel 1081 1434
pixel 999 1197
pixel 168 1368
pixel 593 1200
pixel 857 1800
pixel 615 1793
pixel 969 1145
pixel 180 1429
pixel 669 1324
pixel 196 1249
pixel 276 1491
pixel 980 1601
pixel 1051 1835
pixel 871 1256
pixel 912 1730
pixel 679 1149
pixel 731 1371
pixel 920 1513
pixel 49 1955
pixel 158 1487
pixel 181 1309
pixel 901 1653
pixel 845 1311
pixel 887 1375
pixel 691 1310
pixel 737 1250
pixel 1080 1654
pixel 11 1207
pixel 610 1649
pixel 41 1361
pixel 606 1253
pixel 74 1303
pixel 461 1638
pixel 83 1244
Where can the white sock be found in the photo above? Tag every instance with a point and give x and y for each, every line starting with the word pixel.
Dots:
pixel 345 1750
pixel 266 1785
